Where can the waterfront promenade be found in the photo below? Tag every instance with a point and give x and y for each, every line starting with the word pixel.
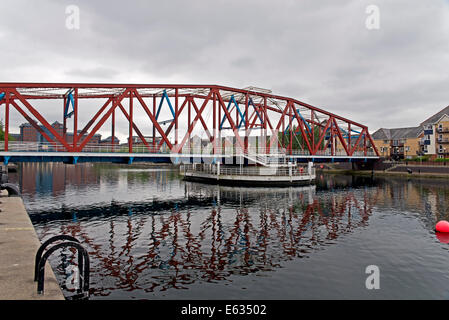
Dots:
pixel 18 246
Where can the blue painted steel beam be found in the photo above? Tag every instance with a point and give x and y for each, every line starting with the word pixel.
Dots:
pixel 165 96
pixel 250 102
pixel 71 100
pixel 304 120
pixel 346 135
pixel 227 108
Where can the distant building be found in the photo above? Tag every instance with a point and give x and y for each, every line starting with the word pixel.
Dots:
pixel 137 141
pixel 430 138
pixel 28 133
pixel 436 135
pixel 109 141
pixel 398 143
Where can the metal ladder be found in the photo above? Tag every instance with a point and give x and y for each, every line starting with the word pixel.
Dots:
pixel 83 264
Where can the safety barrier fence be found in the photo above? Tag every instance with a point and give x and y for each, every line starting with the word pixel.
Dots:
pixel 258 171
pixel 256 154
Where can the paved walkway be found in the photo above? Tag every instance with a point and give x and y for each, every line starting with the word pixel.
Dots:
pixel 18 246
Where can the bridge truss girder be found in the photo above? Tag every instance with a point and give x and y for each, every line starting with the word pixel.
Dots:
pixel 244 110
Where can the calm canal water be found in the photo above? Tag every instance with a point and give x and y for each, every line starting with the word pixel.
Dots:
pixel 151 235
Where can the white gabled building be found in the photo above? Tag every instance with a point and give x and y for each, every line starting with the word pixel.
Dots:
pixel 436 135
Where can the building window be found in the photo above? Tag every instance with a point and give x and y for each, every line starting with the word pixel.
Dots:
pixel 407 148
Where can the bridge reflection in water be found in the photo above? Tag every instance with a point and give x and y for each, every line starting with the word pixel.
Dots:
pixel 209 235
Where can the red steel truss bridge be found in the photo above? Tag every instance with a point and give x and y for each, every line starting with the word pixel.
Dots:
pixel 166 122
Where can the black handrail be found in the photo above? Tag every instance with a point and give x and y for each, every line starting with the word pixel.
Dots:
pixel 45 245
pixel 83 264
pixel 84 272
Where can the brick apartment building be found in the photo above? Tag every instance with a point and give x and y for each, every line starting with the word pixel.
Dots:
pixel 29 134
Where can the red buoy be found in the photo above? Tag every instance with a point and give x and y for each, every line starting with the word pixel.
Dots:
pixel 442 226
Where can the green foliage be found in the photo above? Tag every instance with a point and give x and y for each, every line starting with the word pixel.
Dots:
pixel 2 133
pixel 298 141
pixel 441 160
pixel 418 159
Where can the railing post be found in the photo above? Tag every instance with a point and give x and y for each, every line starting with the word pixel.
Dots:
pixel 112 131
pixel 130 139
pixel 6 119
pixel 75 120
pixel 218 170
pixel 290 170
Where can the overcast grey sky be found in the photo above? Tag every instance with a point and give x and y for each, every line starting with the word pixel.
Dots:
pixel 318 51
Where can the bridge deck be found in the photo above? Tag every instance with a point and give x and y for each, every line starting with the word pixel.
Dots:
pixel 75 157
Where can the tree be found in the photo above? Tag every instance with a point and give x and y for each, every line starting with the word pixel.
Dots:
pixel 298 142
pixel 2 133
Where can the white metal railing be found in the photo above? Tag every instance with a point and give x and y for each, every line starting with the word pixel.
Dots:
pixel 257 155
pixel 18 146
pixel 252 171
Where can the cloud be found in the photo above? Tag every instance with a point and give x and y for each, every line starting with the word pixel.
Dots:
pixel 319 52
pixel 95 72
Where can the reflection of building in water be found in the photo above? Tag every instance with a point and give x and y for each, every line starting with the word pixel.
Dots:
pixel 427 197
pixel 432 201
pixel 394 193
pixel 53 177
pixel 209 235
